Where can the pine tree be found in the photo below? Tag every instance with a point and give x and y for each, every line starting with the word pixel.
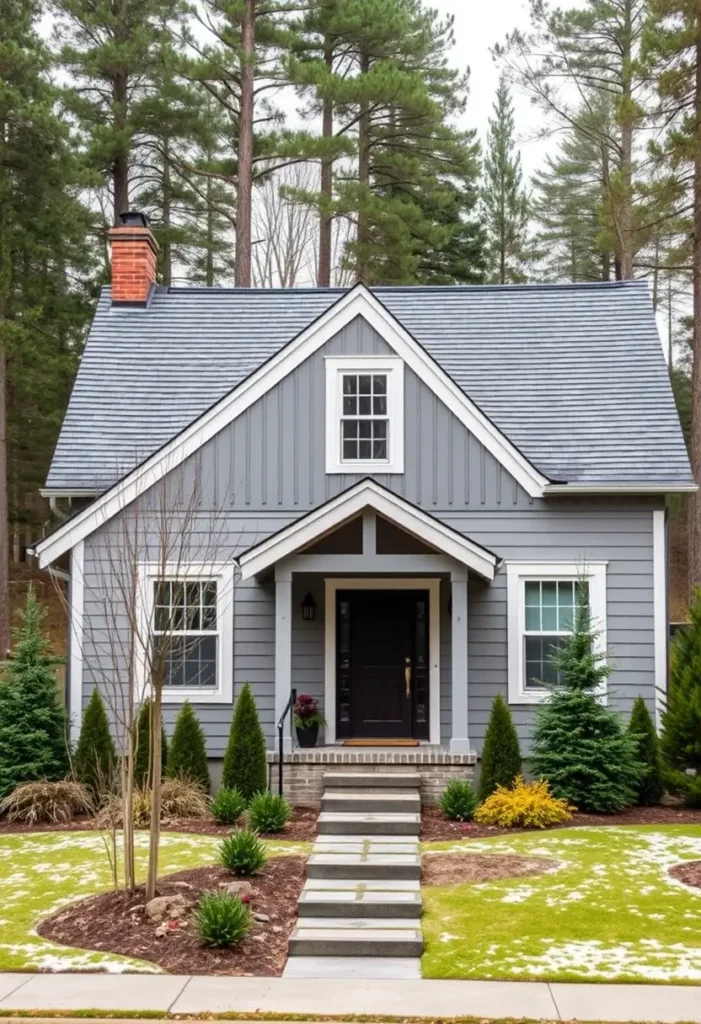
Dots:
pixel 245 762
pixel 501 754
pixel 504 199
pixel 681 722
pixel 642 730
pixel 579 744
pixel 95 758
pixel 142 764
pixel 33 724
pixel 187 753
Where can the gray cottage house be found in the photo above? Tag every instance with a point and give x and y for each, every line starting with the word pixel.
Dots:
pixel 382 497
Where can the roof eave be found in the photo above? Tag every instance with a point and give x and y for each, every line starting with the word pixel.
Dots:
pixel 622 487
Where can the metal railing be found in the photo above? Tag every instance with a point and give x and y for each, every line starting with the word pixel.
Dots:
pixel 280 729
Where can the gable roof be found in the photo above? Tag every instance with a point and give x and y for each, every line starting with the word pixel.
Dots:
pixel 573 375
pixel 338 510
pixel 356 302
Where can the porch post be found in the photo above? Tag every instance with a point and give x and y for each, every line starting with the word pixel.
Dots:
pixel 459 741
pixel 283 648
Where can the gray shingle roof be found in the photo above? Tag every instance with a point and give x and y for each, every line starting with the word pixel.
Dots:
pixel 574 375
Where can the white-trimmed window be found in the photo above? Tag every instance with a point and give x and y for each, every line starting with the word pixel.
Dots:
pixel 187 611
pixel 541 605
pixel 364 414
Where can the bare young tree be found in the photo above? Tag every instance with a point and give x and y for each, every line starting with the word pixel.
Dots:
pixel 284 230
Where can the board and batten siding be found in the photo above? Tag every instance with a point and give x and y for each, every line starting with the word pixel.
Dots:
pixel 267 468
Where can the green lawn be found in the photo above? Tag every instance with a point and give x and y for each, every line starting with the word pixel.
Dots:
pixel 609 913
pixel 41 872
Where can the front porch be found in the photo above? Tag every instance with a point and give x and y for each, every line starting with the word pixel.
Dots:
pixel 371 619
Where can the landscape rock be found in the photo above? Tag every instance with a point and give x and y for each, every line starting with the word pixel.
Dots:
pixel 262 918
pixel 161 907
pixel 241 888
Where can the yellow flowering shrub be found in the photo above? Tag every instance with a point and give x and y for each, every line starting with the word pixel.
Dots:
pixel 525 805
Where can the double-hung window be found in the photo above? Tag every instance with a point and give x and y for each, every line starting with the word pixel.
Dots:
pixel 186 637
pixel 542 599
pixel 364 414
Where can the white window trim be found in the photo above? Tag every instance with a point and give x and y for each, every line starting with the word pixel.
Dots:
pixel 223 574
pixel 517 574
pixel 433 585
pixel 393 367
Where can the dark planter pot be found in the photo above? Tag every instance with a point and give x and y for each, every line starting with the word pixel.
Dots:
pixel 307 737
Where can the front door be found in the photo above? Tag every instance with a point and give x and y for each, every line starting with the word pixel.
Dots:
pixel 382 674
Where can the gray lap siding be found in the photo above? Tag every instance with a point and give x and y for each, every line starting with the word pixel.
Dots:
pixel 616 530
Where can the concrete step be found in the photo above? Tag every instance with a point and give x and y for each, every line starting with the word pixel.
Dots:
pixel 372 780
pixel 355 866
pixel 350 823
pixel 366 884
pixel 373 800
pixel 366 844
pixel 375 937
pixel 355 902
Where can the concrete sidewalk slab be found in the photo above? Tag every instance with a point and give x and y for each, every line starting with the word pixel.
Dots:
pixel 665 1003
pixel 10 982
pixel 343 967
pixel 131 992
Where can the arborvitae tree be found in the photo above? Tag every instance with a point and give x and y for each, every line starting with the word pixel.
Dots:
pixel 187 753
pixel 642 730
pixel 579 744
pixel 142 764
pixel 681 722
pixel 504 199
pixel 33 723
pixel 95 758
pixel 501 754
pixel 245 763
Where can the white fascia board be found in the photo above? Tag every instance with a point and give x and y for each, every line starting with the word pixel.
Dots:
pixel 351 503
pixel 356 302
pixel 622 488
pixel 68 492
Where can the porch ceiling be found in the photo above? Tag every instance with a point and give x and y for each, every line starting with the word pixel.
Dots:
pixel 368 494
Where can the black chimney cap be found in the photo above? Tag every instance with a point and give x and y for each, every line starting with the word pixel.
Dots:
pixel 133 219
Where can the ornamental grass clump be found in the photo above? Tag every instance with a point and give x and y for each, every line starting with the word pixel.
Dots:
pixel 525 805
pixel 227 806
pixel 242 853
pixel 268 812
pixel 458 801
pixel 53 803
pixel 222 920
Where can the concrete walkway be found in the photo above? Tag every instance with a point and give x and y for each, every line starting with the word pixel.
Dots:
pixel 185 995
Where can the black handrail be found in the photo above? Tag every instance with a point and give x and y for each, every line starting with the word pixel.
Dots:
pixel 280 727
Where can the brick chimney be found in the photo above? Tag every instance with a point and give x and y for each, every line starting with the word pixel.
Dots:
pixel 134 252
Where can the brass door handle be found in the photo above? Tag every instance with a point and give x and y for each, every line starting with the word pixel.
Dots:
pixel 407 677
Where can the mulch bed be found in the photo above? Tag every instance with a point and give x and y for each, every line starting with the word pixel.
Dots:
pixel 457 868
pixel 300 829
pixel 689 873
pixel 436 828
pixel 117 923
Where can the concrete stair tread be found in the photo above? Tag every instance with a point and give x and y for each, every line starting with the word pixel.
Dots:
pixel 359 924
pixel 360 839
pixel 371 795
pixel 341 968
pixel 388 860
pixel 384 816
pixel 340 847
pixel 372 780
pixel 356 942
pixel 368 885
pixel 355 896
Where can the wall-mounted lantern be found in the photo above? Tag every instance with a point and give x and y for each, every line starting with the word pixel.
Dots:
pixel 308 608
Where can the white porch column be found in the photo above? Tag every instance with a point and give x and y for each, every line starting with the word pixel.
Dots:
pixel 283 648
pixel 459 742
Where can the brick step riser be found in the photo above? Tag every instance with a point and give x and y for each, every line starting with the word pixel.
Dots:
pixel 352 947
pixel 359 910
pixel 356 872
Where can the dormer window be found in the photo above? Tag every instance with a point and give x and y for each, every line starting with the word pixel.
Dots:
pixel 364 414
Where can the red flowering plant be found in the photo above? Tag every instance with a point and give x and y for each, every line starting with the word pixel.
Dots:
pixel 306 712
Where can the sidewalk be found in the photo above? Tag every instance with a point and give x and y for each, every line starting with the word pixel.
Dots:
pixel 183 994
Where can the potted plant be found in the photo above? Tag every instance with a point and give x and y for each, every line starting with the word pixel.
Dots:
pixel 307 719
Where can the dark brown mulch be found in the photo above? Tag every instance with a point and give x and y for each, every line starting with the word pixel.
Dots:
pixel 436 828
pixel 301 828
pixel 117 923
pixel 689 873
pixel 457 868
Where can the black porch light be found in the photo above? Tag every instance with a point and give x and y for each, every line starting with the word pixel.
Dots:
pixel 309 608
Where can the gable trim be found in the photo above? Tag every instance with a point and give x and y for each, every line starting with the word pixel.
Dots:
pixel 358 301
pixel 350 503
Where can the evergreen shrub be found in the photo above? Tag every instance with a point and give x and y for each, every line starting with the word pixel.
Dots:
pixel 242 852
pixel 187 753
pixel 227 806
pixel 681 722
pixel 268 812
pixel 458 800
pixel 222 920
pixel 524 805
pixel 245 762
pixel 642 730
pixel 95 759
pixel 501 755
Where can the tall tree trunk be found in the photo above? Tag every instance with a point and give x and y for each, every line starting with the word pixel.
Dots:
pixel 325 219
pixel 244 192
pixel 5 286
pixel 209 252
pixel 695 503
pixel 363 240
pixel 120 164
pixel 166 247
pixel 625 213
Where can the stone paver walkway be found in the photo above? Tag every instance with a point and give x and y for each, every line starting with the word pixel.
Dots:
pixel 184 995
